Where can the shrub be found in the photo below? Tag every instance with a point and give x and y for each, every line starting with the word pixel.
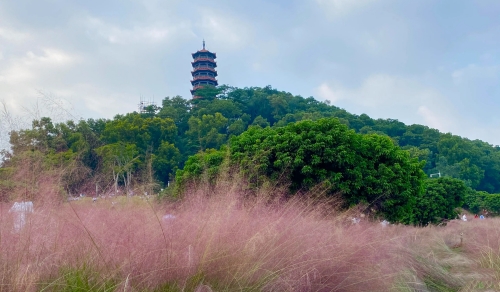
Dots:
pixel 207 163
pixel 363 168
pixel 441 198
pixel 479 201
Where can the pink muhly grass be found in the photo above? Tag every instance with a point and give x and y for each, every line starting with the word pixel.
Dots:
pixel 225 239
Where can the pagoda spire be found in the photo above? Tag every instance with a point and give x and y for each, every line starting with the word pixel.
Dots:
pixel 203 43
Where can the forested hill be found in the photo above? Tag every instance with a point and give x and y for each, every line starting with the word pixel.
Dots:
pixel 140 147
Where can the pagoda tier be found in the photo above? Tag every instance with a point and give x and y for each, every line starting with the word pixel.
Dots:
pixel 204 65
pixel 204 53
pixel 203 78
pixel 203 69
pixel 200 61
pixel 199 70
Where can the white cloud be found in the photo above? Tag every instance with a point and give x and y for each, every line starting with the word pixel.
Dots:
pixel 474 73
pixel 99 100
pixel 51 57
pixel 386 96
pixel 410 101
pixel 224 29
pixel 31 66
pixel 342 7
pixel 23 76
pixel 12 35
pixel 101 58
pixel 378 90
pixel 324 91
pixel 433 119
pixel 139 34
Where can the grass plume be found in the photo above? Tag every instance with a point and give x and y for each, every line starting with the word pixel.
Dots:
pixel 223 239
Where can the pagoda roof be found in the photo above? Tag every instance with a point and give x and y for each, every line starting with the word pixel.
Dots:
pixel 204 68
pixel 204 60
pixel 193 72
pixel 204 51
pixel 203 78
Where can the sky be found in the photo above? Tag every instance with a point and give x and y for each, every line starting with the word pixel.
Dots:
pixel 435 63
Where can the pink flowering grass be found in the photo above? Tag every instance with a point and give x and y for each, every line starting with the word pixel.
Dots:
pixel 222 239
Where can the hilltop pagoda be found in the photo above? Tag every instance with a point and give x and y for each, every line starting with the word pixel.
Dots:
pixel 203 69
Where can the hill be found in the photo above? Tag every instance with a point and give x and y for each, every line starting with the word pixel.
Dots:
pixel 147 148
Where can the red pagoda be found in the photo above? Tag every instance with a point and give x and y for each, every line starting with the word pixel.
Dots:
pixel 203 69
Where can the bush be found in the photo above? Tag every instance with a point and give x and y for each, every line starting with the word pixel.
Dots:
pixel 477 201
pixel 363 168
pixel 203 163
pixel 440 200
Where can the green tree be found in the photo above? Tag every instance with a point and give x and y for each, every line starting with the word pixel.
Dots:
pixel 203 163
pixel 441 198
pixel 165 161
pixel 177 109
pixel 364 168
pixel 208 132
pixel 119 159
pixel 145 132
pixel 260 121
pixel 207 92
pixel 236 128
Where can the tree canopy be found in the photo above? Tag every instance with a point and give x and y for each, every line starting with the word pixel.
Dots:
pixel 363 168
pixel 165 136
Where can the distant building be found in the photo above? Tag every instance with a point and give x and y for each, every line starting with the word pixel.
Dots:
pixel 203 69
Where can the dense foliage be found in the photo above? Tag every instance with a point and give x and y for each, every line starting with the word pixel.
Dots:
pixel 363 168
pixel 475 162
pixel 481 202
pixel 160 140
pixel 441 199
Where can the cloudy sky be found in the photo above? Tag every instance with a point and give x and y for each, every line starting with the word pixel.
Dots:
pixel 429 62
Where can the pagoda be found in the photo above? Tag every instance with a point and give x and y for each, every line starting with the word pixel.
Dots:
pixel 203 69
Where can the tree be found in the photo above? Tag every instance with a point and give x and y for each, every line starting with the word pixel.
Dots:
pixel 227 108
pixel 364 168
pixel 177 109
pixel 223 112
pixel 165 161
pixel 237 127
pixel 145 132
pixel 208 132
pixel 442 196
pixel 207 92
pixel 120 159
pixel 203 163
pixel 260 121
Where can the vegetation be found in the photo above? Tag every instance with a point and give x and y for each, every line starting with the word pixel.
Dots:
pixel 441 199
pixel 146 149
pixel 270 190
pixel 363 168
pixel 218 238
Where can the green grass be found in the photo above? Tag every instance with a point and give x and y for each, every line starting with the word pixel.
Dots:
pixel 80 279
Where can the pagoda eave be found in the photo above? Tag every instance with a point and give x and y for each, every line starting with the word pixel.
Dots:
pixel 193 72
pixel 204 69
pixel 212 83
pixel 205 52
pixel 204 60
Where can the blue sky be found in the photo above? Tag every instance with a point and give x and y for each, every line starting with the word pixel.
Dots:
pixel 435 63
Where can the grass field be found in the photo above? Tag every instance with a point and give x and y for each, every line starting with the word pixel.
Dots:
pixel 222 241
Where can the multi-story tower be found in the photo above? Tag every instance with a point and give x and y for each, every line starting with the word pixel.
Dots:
pixel 203 69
